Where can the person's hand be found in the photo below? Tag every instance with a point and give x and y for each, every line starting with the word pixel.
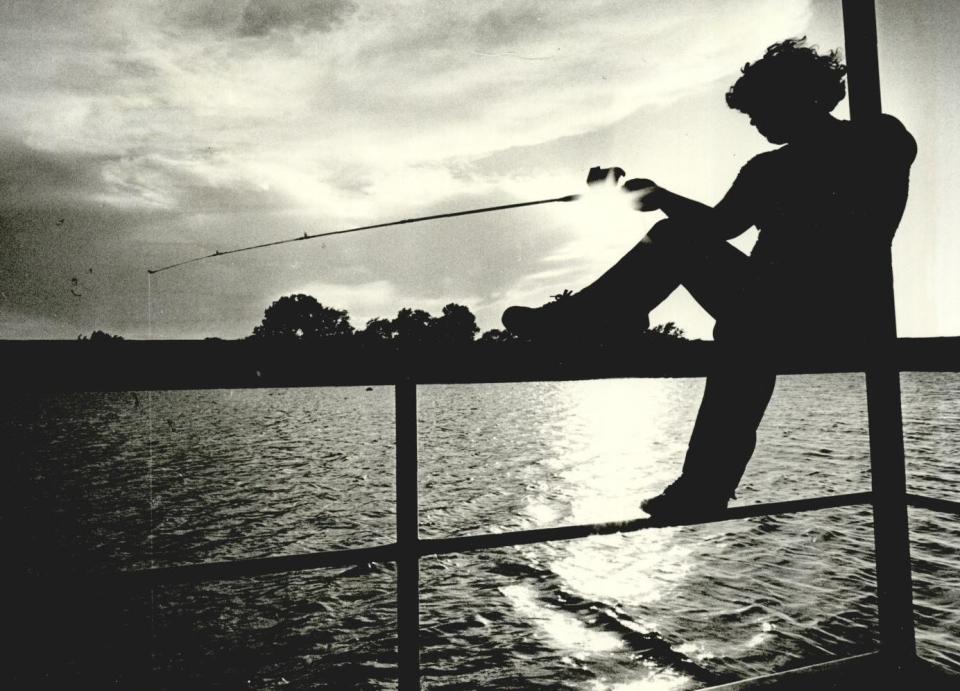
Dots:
pixel 645 193
pixel 598 174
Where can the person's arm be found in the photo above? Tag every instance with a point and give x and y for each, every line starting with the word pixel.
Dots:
pixel 728 219
pixel 722 219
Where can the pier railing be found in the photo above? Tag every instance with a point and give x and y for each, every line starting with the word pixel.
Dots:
pixel 73 366
pixel 190 365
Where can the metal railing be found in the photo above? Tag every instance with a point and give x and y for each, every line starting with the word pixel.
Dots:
pixel 888 496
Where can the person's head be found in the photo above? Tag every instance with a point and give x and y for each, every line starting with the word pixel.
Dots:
pixel 791 87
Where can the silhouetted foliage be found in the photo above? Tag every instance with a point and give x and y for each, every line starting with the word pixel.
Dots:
pixel 457 326
pixel 100 337
pixel 668 329
pixel 497 336
pixel 303 317
pixel 378 330
pixel 412 327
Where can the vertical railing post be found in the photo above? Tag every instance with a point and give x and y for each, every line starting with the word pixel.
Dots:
pixel 408 538
pixel 890 522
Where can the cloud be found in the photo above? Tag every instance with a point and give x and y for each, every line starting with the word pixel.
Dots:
pixel 220 16
pixel 510 24
pixel 261 17
pixel 31 178
pixel 257 18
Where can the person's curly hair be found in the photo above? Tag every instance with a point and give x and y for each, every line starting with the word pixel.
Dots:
pixel 790 72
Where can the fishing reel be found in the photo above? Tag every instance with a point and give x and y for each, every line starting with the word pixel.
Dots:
pixel 598 175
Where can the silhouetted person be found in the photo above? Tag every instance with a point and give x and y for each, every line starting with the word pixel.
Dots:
pixel 826 205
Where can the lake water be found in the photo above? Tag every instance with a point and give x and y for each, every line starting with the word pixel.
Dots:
pixel 119 481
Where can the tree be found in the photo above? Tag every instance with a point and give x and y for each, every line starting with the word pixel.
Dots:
pixel 303 317
pixel 669 329
pixel 497 336
pixel 456 327
pixel 378 329
pixel 412 327
pixel 100 337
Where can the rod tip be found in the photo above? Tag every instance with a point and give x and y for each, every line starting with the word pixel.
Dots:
pixel 570 198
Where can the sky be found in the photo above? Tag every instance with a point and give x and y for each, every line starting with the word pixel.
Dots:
pixel 136 134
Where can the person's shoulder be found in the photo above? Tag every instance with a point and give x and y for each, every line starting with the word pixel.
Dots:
pixel 765 157
pixel 762 163
pixel 889 122
pixel 885 130
pixel 886 125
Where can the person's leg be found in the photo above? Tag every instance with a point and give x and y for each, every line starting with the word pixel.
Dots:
pixel 717 275
pixel 725 433
pixel 670 254
pixel 723 439
pixel 736 395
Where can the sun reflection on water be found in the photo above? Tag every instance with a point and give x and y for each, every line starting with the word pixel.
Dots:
pixel 619 440
pixel 564 630
pixel 608 444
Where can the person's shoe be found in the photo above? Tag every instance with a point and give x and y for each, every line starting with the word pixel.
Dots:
pixel 680 501
pixel 545 322
pixel 568 316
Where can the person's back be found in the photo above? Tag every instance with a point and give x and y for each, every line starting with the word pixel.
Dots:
pixel 827 188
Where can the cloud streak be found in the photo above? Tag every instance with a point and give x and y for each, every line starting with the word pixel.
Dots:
pixel 263 17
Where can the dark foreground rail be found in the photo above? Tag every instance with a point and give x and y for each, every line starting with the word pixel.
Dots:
pixel 164 365
pixel 933 504
pixel 867 671
pixel 392 552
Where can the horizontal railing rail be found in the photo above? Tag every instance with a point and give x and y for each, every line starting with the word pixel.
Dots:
pixel 467 543
pixel 918 501
pixel 357 556
pixel 391 552
pixel 35 366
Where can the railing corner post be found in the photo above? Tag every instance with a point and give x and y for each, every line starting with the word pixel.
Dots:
pixel 888 472
pixel 408 538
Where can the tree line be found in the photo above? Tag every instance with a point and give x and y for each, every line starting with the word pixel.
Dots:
pixel 303 318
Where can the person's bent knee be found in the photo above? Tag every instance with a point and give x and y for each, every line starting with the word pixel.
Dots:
pixel 672 234
pixel 664 228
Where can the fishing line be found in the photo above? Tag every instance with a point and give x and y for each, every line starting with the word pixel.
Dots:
pixel 308 236
pixel 149 305
pixel 151 442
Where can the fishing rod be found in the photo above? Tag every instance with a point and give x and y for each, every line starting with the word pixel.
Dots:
pixel 313 236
